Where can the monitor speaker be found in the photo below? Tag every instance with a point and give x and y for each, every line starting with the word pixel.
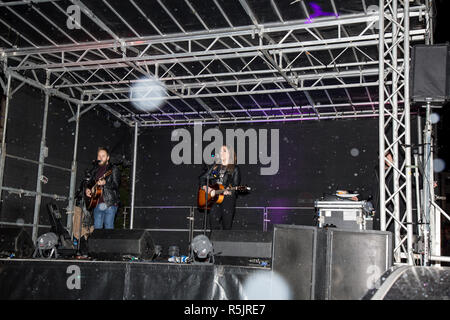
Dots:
pixel 430 73
pixel 117 243
pixel 240 243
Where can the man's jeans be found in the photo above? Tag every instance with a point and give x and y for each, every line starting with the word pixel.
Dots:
pixel 104 215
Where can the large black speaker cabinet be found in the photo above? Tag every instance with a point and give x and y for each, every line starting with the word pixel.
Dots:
pixel 117 243
pixel 299 254
pixel 17 241
pixel 240 243
pixel 355 261
pixel 330 264
pixel 430 73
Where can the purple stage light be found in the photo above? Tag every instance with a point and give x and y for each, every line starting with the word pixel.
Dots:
pixel 318 12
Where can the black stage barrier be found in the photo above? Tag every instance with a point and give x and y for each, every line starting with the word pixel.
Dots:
pixel 316 263
pixel 87 280
pixel 412 283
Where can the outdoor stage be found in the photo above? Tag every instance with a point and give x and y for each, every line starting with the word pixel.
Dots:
pixel 116 280
pixel 318 103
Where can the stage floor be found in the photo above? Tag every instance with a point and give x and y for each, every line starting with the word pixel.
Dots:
pixel 121 280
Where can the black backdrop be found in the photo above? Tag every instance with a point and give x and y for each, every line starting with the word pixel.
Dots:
pixel 314 158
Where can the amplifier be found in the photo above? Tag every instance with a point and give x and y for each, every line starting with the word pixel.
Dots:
pixel 353 215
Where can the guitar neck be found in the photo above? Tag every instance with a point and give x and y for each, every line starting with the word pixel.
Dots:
pixel 226 189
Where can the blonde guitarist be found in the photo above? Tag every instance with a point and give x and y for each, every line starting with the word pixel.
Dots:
pixel 226 172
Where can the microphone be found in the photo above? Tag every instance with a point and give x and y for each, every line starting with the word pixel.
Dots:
pixel 96 161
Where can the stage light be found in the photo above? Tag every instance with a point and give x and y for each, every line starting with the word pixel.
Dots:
pixel 148 94
pixel 45 243
pixel 201 249
pixel 372 9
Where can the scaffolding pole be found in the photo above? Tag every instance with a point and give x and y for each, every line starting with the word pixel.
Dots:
pixel 5 121
pixel 133 186
pixel 73 175
pixel 37 203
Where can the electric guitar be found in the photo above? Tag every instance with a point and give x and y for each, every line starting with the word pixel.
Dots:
pixel 96 192
pixel 218 196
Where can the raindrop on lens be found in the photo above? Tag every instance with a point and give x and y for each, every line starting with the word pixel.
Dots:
pixel 434 118
pixel 267 286
pixel 438 165
pixel 354 152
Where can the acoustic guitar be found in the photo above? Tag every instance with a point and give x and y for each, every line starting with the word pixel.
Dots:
pixel 219 195
pixel 96 192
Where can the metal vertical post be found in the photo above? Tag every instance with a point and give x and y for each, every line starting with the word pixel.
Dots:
pixel 433 215
pixel 419 136
pixel 417 189
pixel 426 186
pixel 5 121
pixel 409 220
pixel 73 174
pixel 395 199
pixel 37 203
pixel 381 120
pixel 395 128
pixel 436 240
pixel 133 186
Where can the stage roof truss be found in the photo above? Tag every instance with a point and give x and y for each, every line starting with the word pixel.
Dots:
pixel 273 61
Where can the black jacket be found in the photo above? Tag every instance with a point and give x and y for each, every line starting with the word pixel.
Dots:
pixel 111 194
pixel 233 179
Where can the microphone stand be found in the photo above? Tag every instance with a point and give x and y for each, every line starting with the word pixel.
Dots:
pixel 85 180
pixel 206 198
pixel 206 202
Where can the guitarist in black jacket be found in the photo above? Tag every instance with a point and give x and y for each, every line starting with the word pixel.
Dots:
pixel 225 172
pixel 105 211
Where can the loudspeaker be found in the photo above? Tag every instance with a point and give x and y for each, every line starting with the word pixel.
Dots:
pixel 355 261
pixel 299 256
pixel 242 243
pixel 117 243
pixel 17 241
pixel 430 73
pixel 330 264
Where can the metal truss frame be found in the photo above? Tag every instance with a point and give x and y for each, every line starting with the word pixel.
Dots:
pixel 216 76
pixel 261 59
pixel 396 195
